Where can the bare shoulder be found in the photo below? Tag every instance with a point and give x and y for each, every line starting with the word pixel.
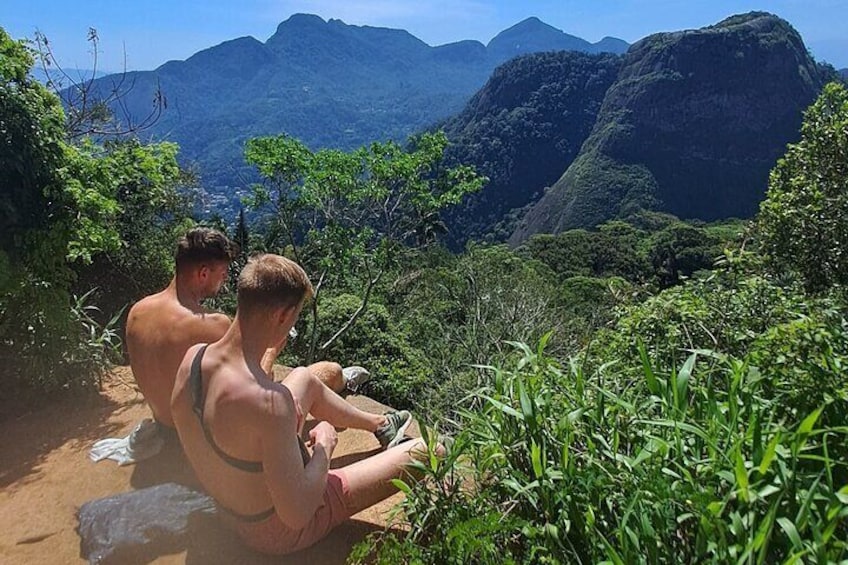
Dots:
pixel 184 368
pixel 207 326
pixel 277 406
pixel 144 305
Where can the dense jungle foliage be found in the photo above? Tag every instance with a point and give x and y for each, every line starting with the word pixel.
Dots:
pixel 645 391
pixel 702 422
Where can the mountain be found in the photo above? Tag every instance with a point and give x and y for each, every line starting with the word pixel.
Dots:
pixel 533 35
pixel 522 130
pixel 325 82
pixel 692 126
pixel 843 73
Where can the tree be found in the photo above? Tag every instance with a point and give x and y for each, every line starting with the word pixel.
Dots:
pixel 47 214
pixel 31 136
pixel 679 250
pixel 348 215
pixel 70 214
pixel 803 221
pixel 152 207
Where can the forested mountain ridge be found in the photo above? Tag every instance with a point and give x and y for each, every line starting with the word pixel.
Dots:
pixel 692 126
pixel 522 130
pixel 325 82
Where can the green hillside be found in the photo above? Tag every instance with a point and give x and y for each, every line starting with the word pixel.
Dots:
pixel 692 126
pixel 523 129
pixel 326 83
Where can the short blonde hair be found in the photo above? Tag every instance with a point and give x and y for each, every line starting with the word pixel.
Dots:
pixel 271 281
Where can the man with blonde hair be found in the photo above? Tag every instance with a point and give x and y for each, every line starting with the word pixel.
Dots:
pixel 241 430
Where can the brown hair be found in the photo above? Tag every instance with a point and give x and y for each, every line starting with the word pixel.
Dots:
pixel 270 281
pixel 201 245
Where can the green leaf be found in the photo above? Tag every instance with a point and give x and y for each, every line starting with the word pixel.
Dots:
pixel 807 424
pixel 503 407
pixel 526 403
pixel 769 454
pixel 791 532
pixel 543 343
pixel 401 486
pixel 741 475
pixel 536 458
pixel 842 495
pixel 682 384
pixel 679 425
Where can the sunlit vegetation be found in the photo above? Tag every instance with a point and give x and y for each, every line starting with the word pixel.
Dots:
pixel 645 390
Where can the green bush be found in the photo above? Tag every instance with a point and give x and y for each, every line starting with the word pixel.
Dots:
pixel 463 314
pixel 73 216
pixel 802 221
pixel 725 311
pixel 399 371
pixel 806 361
pixel 687 464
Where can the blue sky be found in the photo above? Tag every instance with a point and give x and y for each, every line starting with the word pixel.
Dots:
pixel 155 31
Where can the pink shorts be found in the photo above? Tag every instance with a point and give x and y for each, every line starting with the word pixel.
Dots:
pixel 274 537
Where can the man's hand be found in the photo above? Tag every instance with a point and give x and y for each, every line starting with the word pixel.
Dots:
pixel 324 434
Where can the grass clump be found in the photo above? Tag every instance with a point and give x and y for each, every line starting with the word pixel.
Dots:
pixel 665 455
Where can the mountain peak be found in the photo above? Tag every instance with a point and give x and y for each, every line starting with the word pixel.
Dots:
pixel 533 35
pixel 533 22
pixel 531 25
pixel 299 22
pixel 747 18
pixel 692 126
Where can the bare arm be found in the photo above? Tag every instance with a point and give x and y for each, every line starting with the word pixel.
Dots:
pixel 296 491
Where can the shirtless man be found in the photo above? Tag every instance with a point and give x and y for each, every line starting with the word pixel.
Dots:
pixel 241 430
pixel 161 327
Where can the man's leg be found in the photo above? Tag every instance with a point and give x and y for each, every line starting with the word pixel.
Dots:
pixel 369 480
pixel 327 372
pixel 357 487
pixel 316 398
pixel 330 374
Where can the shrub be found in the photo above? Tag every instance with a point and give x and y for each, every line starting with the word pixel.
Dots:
pixel 803 218
pixel 399 371
pixel 806 361
pixel 687 464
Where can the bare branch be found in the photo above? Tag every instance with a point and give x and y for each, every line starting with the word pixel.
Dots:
pixel 355 316
pixel 313 342
pixel 88 111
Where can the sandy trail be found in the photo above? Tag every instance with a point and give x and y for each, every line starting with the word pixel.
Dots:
pixel 45 475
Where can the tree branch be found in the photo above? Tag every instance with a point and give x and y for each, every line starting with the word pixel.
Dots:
pixel 359 311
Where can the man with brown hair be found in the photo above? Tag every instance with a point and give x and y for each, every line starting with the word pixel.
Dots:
pixel 162 326
pixel 241 430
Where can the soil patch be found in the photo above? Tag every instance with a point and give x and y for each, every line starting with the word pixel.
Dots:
pixel 45 475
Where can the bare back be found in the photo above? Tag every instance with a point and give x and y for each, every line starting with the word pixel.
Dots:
pixel 235 407
pixel 159 332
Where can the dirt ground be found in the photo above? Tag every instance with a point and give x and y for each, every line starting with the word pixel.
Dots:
pixel 45 475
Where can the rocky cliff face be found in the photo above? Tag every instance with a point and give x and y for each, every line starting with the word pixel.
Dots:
pixel 522 130
pixel 692 126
